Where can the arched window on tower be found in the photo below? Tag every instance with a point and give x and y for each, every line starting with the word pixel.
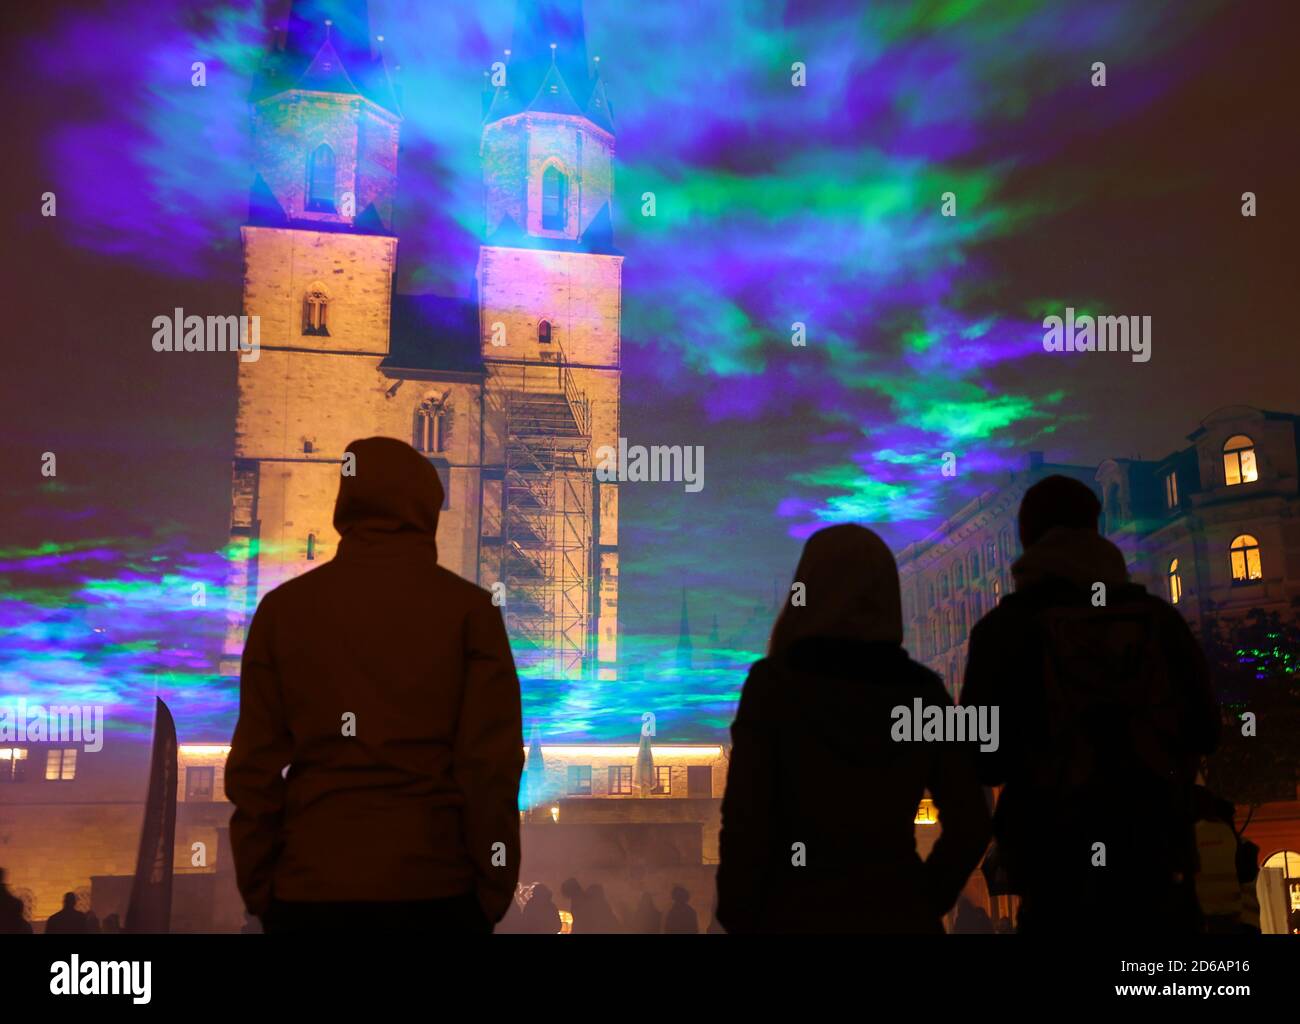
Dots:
pixel 315 308
pixel 320 180
pixel 1239 460
pixel 544 332
pixel 555 199
pixel 1247 566
pixel 1175 583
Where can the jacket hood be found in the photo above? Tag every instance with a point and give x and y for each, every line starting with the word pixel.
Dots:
pixel 850 591
pixel 1078 556
pixel 392 491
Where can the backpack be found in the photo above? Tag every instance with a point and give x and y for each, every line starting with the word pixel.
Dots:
pixel 1109 763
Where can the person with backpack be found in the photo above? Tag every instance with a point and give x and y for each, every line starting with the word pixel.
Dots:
pixel 1106 710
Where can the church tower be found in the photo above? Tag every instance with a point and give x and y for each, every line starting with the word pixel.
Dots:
pixel 319 257
pixel 549 286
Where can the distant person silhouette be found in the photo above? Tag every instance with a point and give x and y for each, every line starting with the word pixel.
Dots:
pixel 647 919
pixel 69 920
pixel 598 916
pixel 681 918
pixel 819 813
pixel 541 916
pixel 13 919
pixel 571 889
pixel 386 685
pixel 971 920
pixel 1105 710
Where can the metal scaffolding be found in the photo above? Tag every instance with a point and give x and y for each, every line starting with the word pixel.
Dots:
pixel 546 515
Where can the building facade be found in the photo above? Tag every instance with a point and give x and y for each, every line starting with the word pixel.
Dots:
pixel 1213 528
pixel 509 392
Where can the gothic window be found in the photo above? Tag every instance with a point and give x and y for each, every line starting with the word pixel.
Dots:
pixel 1171 490
pixel 1239 460
pixel 555 196
pixel 431 426
pixel 1245 558
pixel 958 575
pixel 311 547
pixel 995 592
pixel 990 554
pixel 315 309
pixel 544 332
pixel 974 565
pixel 943 586
pixel 1175 583
pixel 320 180
pixel 962 628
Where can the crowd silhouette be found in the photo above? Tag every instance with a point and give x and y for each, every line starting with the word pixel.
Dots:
pixel 401 720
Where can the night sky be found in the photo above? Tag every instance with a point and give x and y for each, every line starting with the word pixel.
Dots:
pixel 775 204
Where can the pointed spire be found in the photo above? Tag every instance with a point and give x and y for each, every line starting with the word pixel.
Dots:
pixel 684 647
pixel 327 47
pixel 548 68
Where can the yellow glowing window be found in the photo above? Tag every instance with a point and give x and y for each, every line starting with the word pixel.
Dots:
pixel 1246 563
pixel 1175 583
pixel 13 764
pixel 61 765
pixel 1171 490
pixel 314 313
pixel 926 813
pixel 1239 460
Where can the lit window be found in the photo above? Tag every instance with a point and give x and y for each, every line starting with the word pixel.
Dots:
pixel 320 180
pixel 199 782
pixel 544 332
pixel 1246 564
pixel 1175 583
pixel 580 779
pixel 663 780
pixel 1239 460
pixel 13 764
pixel 995 591
pixel 1171 490
pixel 620 780
pixel 555 188
pixel 314 309
pixel 61 765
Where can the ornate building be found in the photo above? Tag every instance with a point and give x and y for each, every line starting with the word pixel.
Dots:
pixel 509 392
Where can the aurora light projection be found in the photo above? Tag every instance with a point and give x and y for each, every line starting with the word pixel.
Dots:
pixel 774 205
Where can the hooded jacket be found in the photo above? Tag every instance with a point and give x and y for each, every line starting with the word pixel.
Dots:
pixel 379 746
pixel 1005 668
pixel 814 767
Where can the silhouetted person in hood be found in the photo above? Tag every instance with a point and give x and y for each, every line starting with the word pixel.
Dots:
pixel 819 813
pixel 1105 710
pixel 386 684
pixel 69 920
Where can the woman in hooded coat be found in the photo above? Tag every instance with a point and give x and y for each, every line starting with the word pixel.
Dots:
pixel 819 812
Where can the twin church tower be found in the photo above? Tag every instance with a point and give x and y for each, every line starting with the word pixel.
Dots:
pixel 508 393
